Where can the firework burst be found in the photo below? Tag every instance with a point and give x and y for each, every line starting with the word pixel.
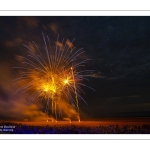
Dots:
pixel 54 75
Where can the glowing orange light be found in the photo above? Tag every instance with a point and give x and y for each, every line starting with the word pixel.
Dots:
pixel 66 81
pixel 48 88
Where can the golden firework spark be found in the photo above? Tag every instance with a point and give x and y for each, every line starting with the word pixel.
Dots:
pixel 54 76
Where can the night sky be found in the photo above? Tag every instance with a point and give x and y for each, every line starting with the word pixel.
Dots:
pixel 119 49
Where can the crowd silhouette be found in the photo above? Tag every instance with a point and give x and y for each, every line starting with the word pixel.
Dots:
pixel 72 129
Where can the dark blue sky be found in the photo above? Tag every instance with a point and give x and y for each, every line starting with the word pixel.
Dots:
pixel 118 46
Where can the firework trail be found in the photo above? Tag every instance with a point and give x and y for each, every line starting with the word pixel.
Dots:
pixel 53 75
